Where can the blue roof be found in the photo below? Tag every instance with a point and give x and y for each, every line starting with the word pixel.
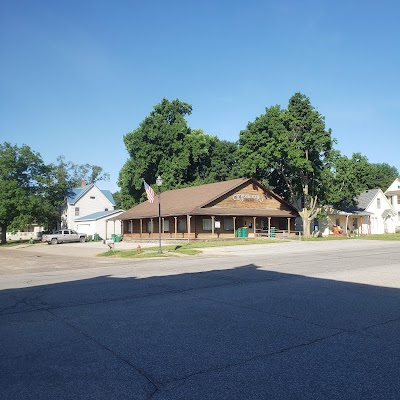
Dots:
pixel 98 215
pixel 73 195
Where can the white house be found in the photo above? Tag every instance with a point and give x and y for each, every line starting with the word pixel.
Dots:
pixel 98 223
pixel 84 201
pixel 373 214
pixel 393 195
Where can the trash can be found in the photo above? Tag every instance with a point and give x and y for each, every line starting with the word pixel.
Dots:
pixel 113 237
pixel 245 232
pixel 239 232
pixel 96 237
pixel 117 238
pixel 272 232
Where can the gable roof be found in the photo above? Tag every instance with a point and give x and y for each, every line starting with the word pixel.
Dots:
pixel 364 200
pixel 193 200
pixel 98 215
pixel 394 188
pixel 74 194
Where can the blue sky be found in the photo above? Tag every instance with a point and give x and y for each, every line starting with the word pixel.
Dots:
pixel 75 76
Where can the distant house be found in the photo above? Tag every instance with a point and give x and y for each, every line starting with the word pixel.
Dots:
pixel 100 223
pixel 372 214
pixel 83 202
pixel 393 195
pixel 239 207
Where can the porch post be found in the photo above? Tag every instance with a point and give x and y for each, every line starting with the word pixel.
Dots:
pixel 212 225
pixel 288 226
pixel 141 227
pixel 234 226
pixel 254 226
pixel 176 226
pixel 152 227
pixel 269 226
pixel 188 226
pixel 163 226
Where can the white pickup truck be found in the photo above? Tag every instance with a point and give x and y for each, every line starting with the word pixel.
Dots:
pixel 64 236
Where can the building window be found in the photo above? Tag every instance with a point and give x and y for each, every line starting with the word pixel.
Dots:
pixel 76 211
pixel 207 224
pixel 282 224
pixel 106 209
pixel 398 215
pixel 378 203
pixel 355 223
pixel 166 225
pixel 92 197
pixel 398 199
pixel 228 224
pixel 150 226
pixel 181 224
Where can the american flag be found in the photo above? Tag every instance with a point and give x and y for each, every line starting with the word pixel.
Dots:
pixel 149 192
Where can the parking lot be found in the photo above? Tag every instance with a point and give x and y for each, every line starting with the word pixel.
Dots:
pixel 296 320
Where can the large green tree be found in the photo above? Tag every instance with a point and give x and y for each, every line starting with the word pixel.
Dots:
pixel 351 176
pixel 163 144
pixel 290 150
pixel 22 187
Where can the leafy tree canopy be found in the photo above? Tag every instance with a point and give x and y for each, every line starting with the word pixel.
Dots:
pixel 21 187
pixel 163 144
pixel 351 176
pixel 290 150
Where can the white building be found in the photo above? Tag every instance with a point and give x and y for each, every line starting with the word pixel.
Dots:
pixel 98 223
pixel 393 195
pixel 84 201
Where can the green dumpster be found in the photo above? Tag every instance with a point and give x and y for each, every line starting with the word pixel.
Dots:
pixel 117 238
pixel 272 232
pixel 96 237
pixel 239 232
pixel 89 238
pixel 245 232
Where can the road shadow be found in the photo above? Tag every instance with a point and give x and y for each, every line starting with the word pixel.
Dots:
pixel 241 333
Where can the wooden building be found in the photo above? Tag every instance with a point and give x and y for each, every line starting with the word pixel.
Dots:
pixel 215 210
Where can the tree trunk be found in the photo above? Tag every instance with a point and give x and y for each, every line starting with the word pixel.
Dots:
pixel 3 238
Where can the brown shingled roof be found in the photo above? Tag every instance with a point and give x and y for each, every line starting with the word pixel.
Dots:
pixel 192 200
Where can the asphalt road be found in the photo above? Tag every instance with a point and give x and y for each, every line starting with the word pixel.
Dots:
pixel 297 320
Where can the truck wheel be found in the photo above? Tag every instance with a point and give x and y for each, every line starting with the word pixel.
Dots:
pixel 82 239
pixel 54 241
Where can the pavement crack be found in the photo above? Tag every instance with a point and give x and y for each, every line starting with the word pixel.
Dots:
pixel 139 370
pixel 250 359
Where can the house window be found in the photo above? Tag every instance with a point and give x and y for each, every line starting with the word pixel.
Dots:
pixel 207 224
pixel 166 225
pixel 106 209
pixel 337 222
pixel 76 211
pixel 150 226
pixel 282 224
pixel 228 224
pixel 181 224
pixel 92 197
pixel 378 203
pixel 398 199
pixel 398 215
pixel 355 223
